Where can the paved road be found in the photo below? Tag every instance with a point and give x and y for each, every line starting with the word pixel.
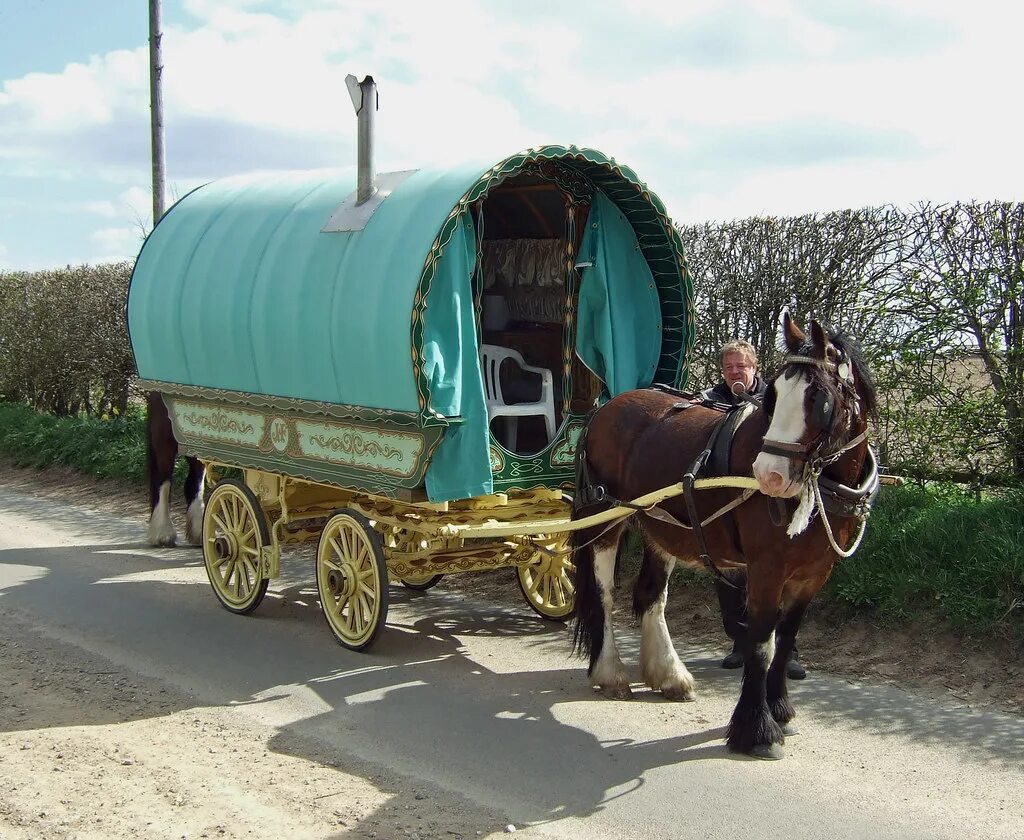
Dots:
pixel 486 702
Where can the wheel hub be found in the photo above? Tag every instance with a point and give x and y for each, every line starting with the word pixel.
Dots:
pixel 224 546
pixel 339 583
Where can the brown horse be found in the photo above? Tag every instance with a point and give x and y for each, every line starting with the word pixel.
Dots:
pixel 161 451
pixel 807 443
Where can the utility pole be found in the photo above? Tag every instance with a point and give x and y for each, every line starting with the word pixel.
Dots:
pixel 156 106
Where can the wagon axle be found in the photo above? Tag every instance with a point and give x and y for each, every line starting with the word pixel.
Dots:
pixel 340 584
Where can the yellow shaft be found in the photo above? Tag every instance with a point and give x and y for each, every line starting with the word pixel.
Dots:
pixel 561 525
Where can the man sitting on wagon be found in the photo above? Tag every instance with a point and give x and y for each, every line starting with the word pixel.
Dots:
pixel 738 361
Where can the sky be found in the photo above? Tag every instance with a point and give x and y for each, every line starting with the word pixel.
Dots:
pixel 725 109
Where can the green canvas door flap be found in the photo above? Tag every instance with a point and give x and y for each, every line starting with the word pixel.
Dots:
pixel 618 328
pixel 461 466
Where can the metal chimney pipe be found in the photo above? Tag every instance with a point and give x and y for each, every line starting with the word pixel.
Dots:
pixel 364 100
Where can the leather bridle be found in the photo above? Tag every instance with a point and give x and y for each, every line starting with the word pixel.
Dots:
pixel 809 454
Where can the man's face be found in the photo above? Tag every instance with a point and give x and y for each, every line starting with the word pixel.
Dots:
pixel 738 370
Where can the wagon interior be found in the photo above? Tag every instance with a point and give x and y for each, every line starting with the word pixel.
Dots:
pixel 530 230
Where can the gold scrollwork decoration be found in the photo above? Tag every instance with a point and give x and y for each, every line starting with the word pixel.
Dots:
pixel 352 443
pixel 218 421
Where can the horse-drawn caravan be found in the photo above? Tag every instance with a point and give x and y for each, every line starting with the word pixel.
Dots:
pixel 408 373
pixel 407 378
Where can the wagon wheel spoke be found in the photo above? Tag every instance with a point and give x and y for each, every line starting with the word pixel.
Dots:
pixel 346 552
pixel 252 569
pixel 352 579
pixel 234 536
pixel 548 586
pixel 348 614
pixel 359 614
pixel 228 565
pixel 336 548
pixel 241 580
pixel 546 582
pixel 221 523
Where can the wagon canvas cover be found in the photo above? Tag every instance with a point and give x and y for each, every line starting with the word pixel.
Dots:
pixel 243 291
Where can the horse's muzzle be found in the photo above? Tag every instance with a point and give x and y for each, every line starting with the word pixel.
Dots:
pixel 775 476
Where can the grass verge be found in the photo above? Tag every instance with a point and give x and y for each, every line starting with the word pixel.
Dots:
pixel 111 448
pixel 938 550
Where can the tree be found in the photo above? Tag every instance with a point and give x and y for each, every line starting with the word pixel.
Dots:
pixel 745 273
pixel 962 290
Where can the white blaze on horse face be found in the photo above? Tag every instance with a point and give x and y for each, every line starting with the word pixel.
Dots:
pixel 161 529
pixel 777 475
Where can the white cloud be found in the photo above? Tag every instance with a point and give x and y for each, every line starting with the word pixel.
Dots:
pixel 136 203
pixel 106 209
pixel 81 95
pixel 725 109
pixel 116 243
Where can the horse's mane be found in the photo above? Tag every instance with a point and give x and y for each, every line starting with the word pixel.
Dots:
pixel 851 348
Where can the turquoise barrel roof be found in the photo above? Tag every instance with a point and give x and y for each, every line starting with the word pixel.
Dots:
pixel 240 288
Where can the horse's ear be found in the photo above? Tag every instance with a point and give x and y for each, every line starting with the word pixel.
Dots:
pixel 792 334
pixel 822 346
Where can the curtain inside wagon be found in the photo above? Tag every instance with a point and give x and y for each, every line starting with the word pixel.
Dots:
pixel 618 333
pixel 461 466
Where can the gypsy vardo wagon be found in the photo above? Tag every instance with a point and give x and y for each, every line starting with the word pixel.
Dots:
pixel 404 379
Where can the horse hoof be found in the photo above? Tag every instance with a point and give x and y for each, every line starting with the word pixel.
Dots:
pixel 768 752
pixel 617 692
pixel 790 729
pixel 679 694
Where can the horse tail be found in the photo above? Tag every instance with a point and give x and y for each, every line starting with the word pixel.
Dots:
pixel 152 470
pixel 588 630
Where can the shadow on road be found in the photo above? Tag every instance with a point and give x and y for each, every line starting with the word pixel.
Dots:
pixel 434 697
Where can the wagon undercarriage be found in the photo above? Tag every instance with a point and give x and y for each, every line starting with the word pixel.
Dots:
pixel 366 542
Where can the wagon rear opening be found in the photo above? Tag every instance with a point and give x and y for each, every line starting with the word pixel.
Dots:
pixel 530 229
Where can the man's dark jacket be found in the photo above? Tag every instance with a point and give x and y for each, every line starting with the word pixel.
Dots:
pixel 721 393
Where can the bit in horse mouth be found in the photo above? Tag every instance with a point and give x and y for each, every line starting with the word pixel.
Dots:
pixel 790 491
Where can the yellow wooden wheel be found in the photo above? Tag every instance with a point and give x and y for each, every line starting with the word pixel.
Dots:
pixel 422 582
pixel 234 536
pixel 403 540
pixel 352 579
pixel 546 580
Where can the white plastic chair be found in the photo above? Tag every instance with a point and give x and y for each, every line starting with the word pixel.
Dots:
pixel 491 357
